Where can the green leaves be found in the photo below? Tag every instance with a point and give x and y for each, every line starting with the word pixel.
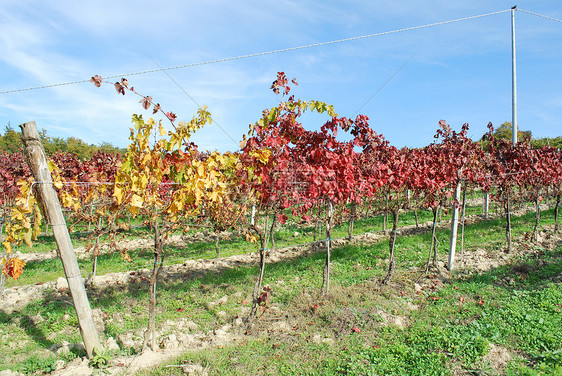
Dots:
pixel 322 107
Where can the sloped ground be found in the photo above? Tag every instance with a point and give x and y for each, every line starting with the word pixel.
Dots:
pixel 176 337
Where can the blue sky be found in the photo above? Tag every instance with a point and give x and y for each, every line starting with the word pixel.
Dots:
pixel 459 72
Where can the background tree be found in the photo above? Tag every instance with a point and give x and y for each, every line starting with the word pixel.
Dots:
pixel 10 141
pixel 555 142
pixel 505 132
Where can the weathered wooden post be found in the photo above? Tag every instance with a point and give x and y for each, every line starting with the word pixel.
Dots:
pixel 35 155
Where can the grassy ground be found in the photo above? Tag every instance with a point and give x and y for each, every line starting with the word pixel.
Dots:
pixel 48 270
pixel 362 328
pixel 367 329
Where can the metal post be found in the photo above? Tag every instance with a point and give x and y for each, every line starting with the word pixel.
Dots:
pixel 454 228
pixel 513 80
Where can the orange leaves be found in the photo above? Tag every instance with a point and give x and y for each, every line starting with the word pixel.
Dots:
pixel 251 238
pixel 126 257
pixel 7 246
pixel 13 267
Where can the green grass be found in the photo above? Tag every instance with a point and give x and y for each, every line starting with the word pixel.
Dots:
pixel 443 334
pixel 442 329
pixel 49 270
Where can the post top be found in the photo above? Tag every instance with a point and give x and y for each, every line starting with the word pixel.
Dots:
pixel 29 130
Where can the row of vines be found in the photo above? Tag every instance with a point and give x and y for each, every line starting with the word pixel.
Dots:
pixel 283 171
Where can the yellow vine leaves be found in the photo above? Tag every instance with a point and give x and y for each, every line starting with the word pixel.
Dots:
pixel 24 224
pixel 164 176
pixel 142 169
pixel 184 130
pixel 69 197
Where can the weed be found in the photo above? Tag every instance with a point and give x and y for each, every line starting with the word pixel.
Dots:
pixel 100 360
pixel 36 363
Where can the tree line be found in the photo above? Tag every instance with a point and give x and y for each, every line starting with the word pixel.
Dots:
pixel 504 132
pixel 10 142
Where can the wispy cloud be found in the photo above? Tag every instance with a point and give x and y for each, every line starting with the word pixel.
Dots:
pixel 458 69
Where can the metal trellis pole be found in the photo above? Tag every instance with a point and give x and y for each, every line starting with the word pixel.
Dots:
pixel 513 80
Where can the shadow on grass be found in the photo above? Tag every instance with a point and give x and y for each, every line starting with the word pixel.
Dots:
pixel 29 325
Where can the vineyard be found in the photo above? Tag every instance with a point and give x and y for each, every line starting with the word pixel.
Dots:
pixel 325 251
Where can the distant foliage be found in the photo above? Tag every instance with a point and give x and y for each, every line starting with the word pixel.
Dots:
pixel 10 142
pixel 504 132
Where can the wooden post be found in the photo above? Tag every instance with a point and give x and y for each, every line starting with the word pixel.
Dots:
pixel 454 228
pixel 37 161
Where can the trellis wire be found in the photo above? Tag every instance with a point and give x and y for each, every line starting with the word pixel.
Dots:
pixel 262 53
